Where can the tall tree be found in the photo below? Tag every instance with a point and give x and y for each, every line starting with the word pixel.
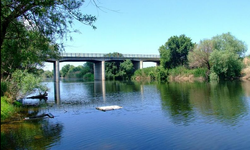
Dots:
pixel 51 18
pixel 126 69
pixel 30 30
pixel 225 64
pixel 112 68
pixel 228 42
pixel 175 51
pixel 199 55
pixel 225 59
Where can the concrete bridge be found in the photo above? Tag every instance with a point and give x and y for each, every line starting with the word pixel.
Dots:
pixel 99 60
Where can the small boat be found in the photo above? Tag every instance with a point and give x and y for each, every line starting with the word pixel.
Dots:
pixel 112 107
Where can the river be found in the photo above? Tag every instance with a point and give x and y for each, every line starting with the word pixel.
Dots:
pixel 154 115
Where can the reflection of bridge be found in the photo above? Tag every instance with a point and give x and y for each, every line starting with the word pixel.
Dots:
pixel 99 60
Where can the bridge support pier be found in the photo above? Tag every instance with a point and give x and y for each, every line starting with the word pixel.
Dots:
pixel 99 71
pixel 56 71
pixel 138 64
pixel 56 81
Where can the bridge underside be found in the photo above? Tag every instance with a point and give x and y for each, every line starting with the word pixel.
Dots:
pixel 99 68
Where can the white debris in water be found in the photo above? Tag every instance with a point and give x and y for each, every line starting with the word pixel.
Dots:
pixel 112 107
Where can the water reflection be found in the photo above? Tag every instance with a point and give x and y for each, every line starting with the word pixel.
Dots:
pixel 176 102
pixel 186 115
pixel 223 102
pixel 35 134
pixel 100 88
pixel 57 92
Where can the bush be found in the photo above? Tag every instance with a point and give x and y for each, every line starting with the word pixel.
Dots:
pixel 200 72
pixel 181 70
pixel 226 64
pixel 162 74
pixel 23 83
pixel 3 87
pixel 88 77
pixel 7 109
pixel 213 76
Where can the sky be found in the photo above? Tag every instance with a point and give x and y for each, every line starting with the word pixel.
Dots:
pixel 142 26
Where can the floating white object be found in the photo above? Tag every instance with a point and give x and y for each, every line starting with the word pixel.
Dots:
pixel 105 108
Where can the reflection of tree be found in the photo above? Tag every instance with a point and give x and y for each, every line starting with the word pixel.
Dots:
pixel 226 101
pixel 125 87
pixel 222 102
pixel 175 101
pixel 30 134
pixel 36 134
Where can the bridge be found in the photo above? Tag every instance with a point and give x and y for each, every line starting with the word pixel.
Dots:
pixel 99 60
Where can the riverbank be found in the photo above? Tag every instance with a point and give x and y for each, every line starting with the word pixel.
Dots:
pixel 245 74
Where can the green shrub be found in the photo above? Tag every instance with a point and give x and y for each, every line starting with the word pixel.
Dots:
pixel 7 109
pixel 181 70
pixel 200 72
pixel 3 87
pixel 226 64
pixel 213 76
pixel 161 74
pixel 23 83
pixel 88 77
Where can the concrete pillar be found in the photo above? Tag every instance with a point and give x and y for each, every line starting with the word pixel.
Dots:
pixel 56 82
pixel 138 64
pixel 99 71
pixel 57 92
pixel 56 71
pixel 103 70
pixel 141 64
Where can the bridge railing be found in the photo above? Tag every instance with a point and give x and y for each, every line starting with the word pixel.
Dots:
pixel 106 55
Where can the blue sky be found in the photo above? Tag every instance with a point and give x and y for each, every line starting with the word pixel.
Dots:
pixel 142 26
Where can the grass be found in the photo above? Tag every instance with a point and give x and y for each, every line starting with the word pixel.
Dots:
pixel 7 109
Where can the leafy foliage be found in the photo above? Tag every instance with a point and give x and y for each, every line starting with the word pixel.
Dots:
pixel 3 87
pixel 30 30
pixel 7 110
pixel 118 69
pixel 225 64
pixel 86 71
pixel 52 18
pixel 227 42
pixel 175 51
pixel 126 69
pixel 199 56
pixel 23 83
pixel 25 53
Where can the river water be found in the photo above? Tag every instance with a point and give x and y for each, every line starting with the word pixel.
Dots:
pixel 160 116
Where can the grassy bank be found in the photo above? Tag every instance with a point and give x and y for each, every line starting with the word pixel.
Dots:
pixel 176 74
pixel 7 109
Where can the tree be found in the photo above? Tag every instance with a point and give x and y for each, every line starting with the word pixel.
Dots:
pixel 48 74
pixel 51 18
pixel 225 64
pixel 112 68
pixel 227 42
pixel 199 55
pixel 30 30
pixel 175 51
pixel 25 53
pixel 89 66
pixel 225 59
pixel 126 69
pixel 65 70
